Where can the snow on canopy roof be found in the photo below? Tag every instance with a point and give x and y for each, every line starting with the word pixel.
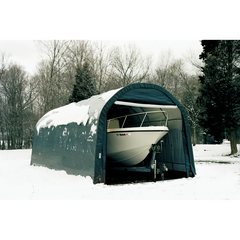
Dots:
pixel 74 112
pixel 64 115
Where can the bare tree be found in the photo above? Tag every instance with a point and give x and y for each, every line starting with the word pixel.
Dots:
pixel 161 76
pixel 16 97
pixel 195 63
pixel 169 74
pixel 2 133
pixel 51 74
pixel 128 65
pixel 79 51
pixel 101 65
pixel 3 118
pixel 190 93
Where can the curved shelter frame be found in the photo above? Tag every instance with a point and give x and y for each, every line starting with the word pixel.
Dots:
pixel 74 137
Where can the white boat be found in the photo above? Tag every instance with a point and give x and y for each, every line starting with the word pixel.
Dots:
pixel 130 137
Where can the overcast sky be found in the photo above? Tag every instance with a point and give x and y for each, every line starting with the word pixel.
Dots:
pixel 25 53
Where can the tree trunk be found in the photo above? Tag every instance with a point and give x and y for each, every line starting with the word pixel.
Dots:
pixel 2 143
pixel 194 136
pixel 233 142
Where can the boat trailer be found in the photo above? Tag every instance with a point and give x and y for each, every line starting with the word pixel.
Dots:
pixel 153 162
pixel 151 167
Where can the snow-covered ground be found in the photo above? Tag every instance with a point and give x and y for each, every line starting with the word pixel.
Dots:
pixel 218 178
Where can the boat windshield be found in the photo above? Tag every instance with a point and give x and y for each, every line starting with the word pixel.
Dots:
pixel 143 119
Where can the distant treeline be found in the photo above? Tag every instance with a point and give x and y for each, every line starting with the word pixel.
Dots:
pixel 25 98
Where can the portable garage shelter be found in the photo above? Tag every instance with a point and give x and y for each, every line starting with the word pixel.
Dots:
pixel 74 137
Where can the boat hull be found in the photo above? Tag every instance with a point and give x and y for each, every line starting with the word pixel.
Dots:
pixel 130 146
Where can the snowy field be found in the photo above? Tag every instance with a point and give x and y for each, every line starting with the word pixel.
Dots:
pixel 218 178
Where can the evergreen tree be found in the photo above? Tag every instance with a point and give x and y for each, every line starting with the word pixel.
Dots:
pixel 209 46
pixel 84 87
pixel 219 97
